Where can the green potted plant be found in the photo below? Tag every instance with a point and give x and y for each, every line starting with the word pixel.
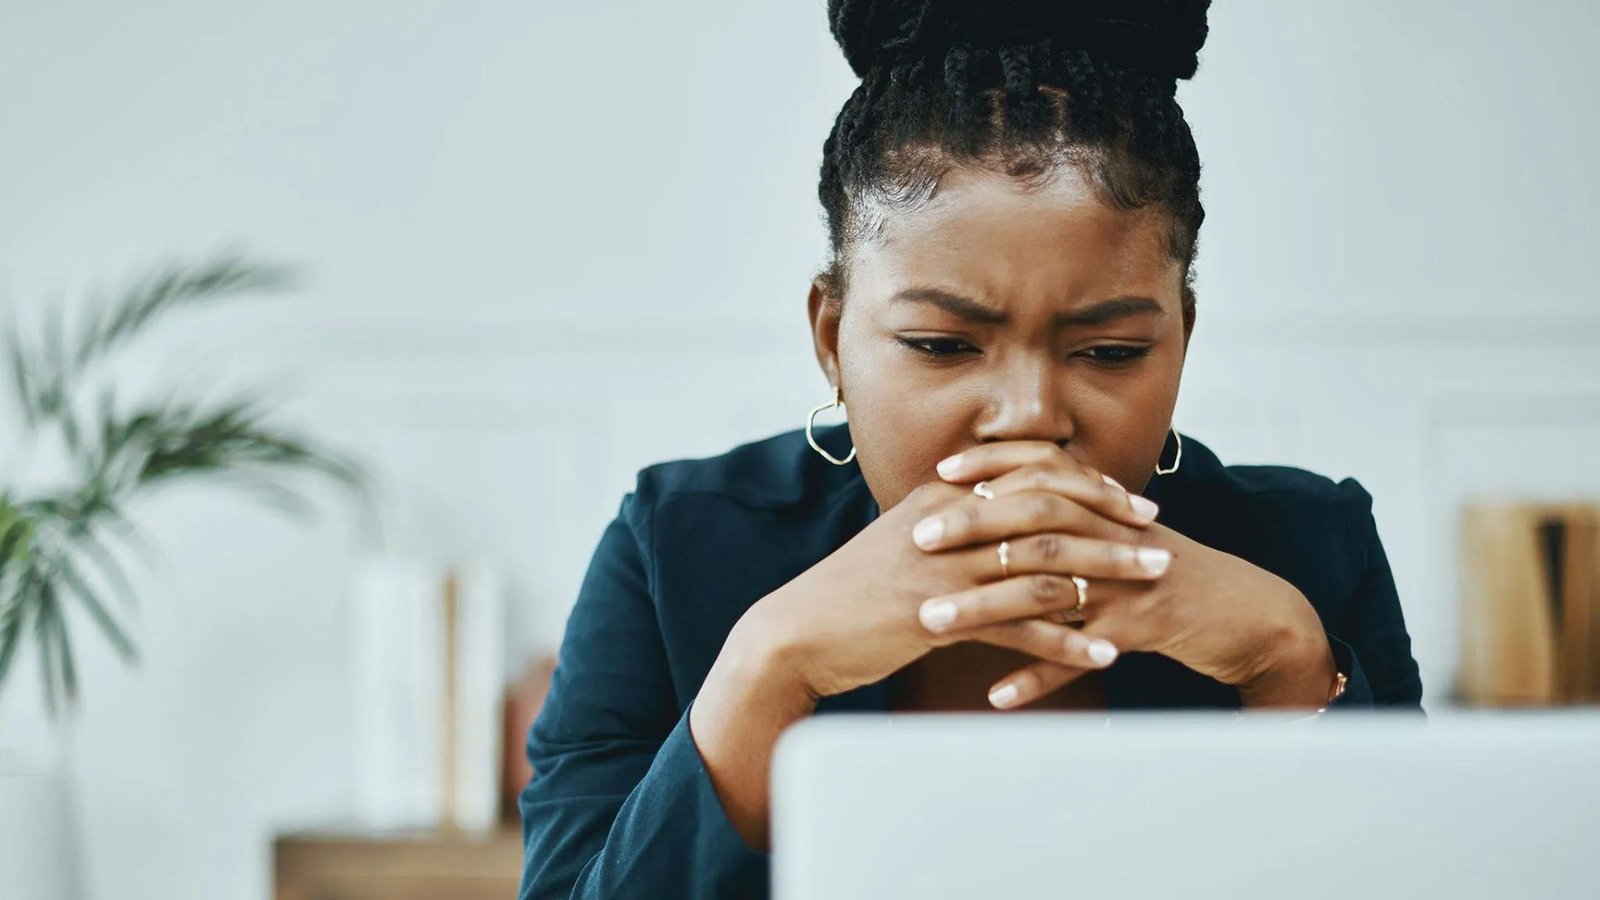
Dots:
pixel 60 543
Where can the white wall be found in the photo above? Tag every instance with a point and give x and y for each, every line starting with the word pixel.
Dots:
pixel 550 243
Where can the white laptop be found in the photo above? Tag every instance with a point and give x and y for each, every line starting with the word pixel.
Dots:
pixel 1188 805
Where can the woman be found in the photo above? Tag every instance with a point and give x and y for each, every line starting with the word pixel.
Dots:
pixel 1007 519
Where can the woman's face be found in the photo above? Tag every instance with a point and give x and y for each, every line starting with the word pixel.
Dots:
pixel 1000 311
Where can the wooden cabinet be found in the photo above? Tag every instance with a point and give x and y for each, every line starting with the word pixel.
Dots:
pixel 430 865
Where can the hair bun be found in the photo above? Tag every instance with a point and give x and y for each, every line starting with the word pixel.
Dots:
pixel 1158 37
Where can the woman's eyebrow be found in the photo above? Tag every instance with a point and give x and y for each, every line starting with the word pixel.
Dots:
pixel 1098 313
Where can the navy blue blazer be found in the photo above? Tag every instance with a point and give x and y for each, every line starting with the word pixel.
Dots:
pixel 621 805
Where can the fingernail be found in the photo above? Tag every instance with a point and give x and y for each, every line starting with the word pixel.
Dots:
pixel 1003 696
pixel 1154 559
pixel 1144 507
pixel 1113 482
pixel 1102 652
pixel 949 466
pixel 928 532
pixel 936 614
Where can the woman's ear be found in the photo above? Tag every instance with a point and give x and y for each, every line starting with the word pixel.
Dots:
pixel 1188 319
pixel 824 306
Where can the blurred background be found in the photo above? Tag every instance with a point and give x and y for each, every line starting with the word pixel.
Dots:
pixel 542 245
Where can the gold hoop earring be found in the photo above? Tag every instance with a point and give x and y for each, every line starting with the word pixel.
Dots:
pixel 1176 461
pixel 838 401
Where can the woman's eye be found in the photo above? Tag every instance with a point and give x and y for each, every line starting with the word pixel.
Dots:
pixel 940 348
pixel 937 347
pixel 1117 354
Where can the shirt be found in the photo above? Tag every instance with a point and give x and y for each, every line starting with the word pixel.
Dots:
pixel 621 804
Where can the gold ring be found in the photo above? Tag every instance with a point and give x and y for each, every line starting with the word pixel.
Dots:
pixel 1074 615
pixel 982 490
pixel 1005 559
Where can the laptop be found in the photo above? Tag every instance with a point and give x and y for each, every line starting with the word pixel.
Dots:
pixel 1354 805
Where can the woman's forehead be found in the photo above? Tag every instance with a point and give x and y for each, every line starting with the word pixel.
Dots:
pixel 985 231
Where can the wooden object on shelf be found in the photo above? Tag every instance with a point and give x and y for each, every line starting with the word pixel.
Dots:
pixel 524 698
pixel 397 865
pixel 1530 626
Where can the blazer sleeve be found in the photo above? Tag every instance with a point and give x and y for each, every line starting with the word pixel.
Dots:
pixel 1371 645
pixel 620 804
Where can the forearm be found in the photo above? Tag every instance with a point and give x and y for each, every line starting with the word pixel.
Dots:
pixel 747 700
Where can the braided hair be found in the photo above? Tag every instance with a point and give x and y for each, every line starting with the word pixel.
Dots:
pixel 1020 87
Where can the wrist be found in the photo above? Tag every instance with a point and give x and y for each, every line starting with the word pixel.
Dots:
pixel 756 661
pixel 745 703
pixel 1301 678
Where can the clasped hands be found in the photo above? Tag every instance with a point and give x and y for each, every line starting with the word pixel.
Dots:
pixel 1149 588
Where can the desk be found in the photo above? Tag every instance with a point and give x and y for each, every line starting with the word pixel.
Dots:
pixel 397 865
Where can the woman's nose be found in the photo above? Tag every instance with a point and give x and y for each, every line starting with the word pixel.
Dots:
pixel 1027 403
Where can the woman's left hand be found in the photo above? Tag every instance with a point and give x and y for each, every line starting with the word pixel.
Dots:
pixel 1214 612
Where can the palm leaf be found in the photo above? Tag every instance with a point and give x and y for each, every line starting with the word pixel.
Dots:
pixel 277 496
pixel 111 517
pixel 13 617
pixel 58 629
pixel 171 287
pixel 52 397
pixel 97 610
pixel 70 430
pixel 105 562
pixel 180 440
pixel 15 529
pixel 44 600
pixel 21 381
pixel 44 383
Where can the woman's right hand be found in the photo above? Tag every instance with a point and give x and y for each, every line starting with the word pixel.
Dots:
pixel 853 618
